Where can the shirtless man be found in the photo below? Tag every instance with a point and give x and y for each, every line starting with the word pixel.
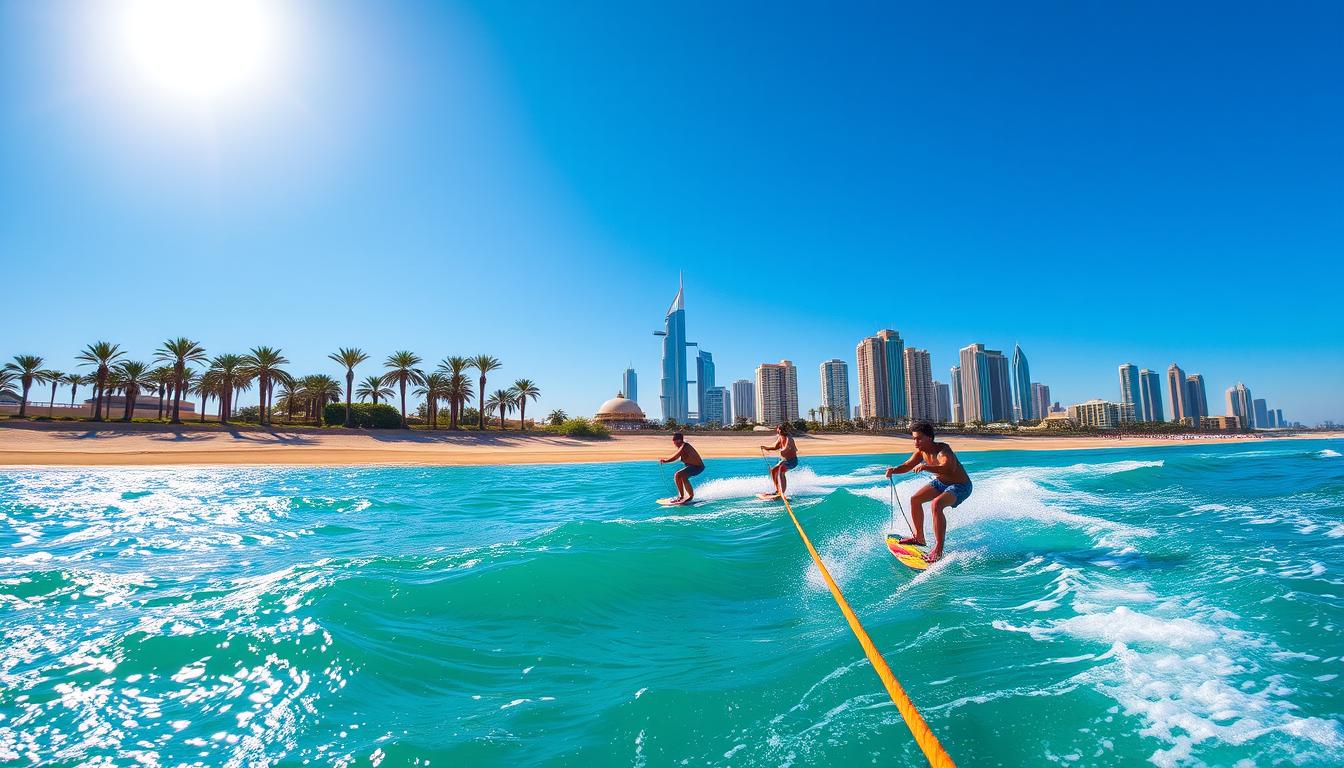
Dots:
pixel 694 465
pixel 951 485
pixel 788 459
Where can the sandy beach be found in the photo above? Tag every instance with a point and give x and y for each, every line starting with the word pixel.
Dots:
pixel 55 444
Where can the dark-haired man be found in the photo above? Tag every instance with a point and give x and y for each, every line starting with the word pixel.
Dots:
pixel 951 485
pixel 694 465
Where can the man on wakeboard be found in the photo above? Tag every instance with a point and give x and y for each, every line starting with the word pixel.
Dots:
pixel 951 485
pixel 694 465
pixel 788 459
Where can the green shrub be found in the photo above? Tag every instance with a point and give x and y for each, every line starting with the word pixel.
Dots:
pixel 364 415
pixel 579 428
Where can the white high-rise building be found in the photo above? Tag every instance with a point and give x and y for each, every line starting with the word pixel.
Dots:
pixel 958 413
pixel 881 363
pixel 922 401
pixel 744 396
pixel 776 393
pixel 834 390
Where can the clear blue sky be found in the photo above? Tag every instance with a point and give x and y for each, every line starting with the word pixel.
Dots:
pixel 1100 183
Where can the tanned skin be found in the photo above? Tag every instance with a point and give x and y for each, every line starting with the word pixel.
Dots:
pixel 691 458
pixel 939 460
pixel 787 450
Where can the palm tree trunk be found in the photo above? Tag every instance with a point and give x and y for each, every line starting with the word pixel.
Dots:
pixel 23 403
pixel 522 413
pixel 177 396
pixel 205 398
pixel 349 389
pixel 270 400
pixel 261 403
pixel 98 395
pixel 126 406
pixel 403 403
pixel 480 402
pixel 51 406
pixel 74 389
pixel 161 391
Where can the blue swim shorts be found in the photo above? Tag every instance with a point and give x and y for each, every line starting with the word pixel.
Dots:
pixel 962 491
pixel 790 463
pixel 692 471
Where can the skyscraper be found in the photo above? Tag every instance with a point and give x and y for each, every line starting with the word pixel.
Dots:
pixel 1000 387
pixel 1129 388
pixel 1026 405
pixel 1278 418
pixel 675 395
pixel 882 376
pixel 1239 404
pixel 834 390
pixel 744 395
pixel 1150 390
pixel 943 394
pixel 1176 389
pixel 717 407
pixel 630 384
pixel 974 384
pixel 1040 399
pixel 777 392
pixel 958 410
pixel 1196 399
pixel 704 380
pixel 922 402
pixel 1261 412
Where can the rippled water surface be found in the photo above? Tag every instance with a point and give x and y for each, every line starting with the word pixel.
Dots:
pixel 1179 606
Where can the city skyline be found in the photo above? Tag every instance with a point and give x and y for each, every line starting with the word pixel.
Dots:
pixel 479 192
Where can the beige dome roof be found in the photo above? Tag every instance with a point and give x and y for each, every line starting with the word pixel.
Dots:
pixel 621 407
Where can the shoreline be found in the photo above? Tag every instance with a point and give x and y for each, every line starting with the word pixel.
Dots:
pixel 61 444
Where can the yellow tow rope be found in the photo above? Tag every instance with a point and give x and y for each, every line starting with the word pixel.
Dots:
pixel 928 743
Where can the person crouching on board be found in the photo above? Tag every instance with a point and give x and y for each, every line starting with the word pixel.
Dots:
pixel 951 485
pixel 788 459
pixel 694 465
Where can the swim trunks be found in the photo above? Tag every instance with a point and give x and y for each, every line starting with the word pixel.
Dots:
pixel 790 463
pixel 961 491
pixel 692 471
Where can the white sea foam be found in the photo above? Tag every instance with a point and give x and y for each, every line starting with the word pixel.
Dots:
pixel 1329 454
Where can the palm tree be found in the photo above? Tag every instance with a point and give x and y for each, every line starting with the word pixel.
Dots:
pixel 459 386
pixel 373 388
pixel 434 389
pixel 212 385
pixel 263 364
pixel 6 384
pixel 502 400
pixel 28 369
pixel 54 378
pixel 315 391
pixel 133 376
pixel 101 354
pixel 74 380
pixel 178 352
pixel 349 358
pixel 524 389
pixel 163 378
pixel 402 371
pixel 484 364
pixel 229 369
pixel 557 417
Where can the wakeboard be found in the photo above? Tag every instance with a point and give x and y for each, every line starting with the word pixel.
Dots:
pixel 909 554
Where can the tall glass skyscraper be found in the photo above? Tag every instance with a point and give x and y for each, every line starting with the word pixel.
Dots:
pixel 1000 387
pixel 704 380
pixel 1176 389
pixel 1240 404
pixel 958 410
pixel 1129 389
pixel 1040 399
pixel 717 407
pixel 834 391
pixel 1026 407
pixel 1196 398
pixel 675 395
pixel 1150 388
pixel 630 384
pixel 1261 411
pixel 943 394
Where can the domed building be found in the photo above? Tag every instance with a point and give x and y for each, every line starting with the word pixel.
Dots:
pixel 620 412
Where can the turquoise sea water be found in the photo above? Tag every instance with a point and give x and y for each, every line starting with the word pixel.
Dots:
pixel 1174 606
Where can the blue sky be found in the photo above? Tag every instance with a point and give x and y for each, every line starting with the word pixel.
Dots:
pixel 1100 184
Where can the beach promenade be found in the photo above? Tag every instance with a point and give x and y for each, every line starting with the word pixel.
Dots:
pixel 55 444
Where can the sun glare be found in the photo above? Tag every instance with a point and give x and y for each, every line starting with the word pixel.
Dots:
pixel 199 52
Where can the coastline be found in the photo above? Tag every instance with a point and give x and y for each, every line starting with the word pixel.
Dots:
pixel 55 445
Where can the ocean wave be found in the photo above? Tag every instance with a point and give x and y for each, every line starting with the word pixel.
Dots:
pixel 1328 453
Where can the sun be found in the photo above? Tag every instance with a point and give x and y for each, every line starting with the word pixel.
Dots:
pixel 199 52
